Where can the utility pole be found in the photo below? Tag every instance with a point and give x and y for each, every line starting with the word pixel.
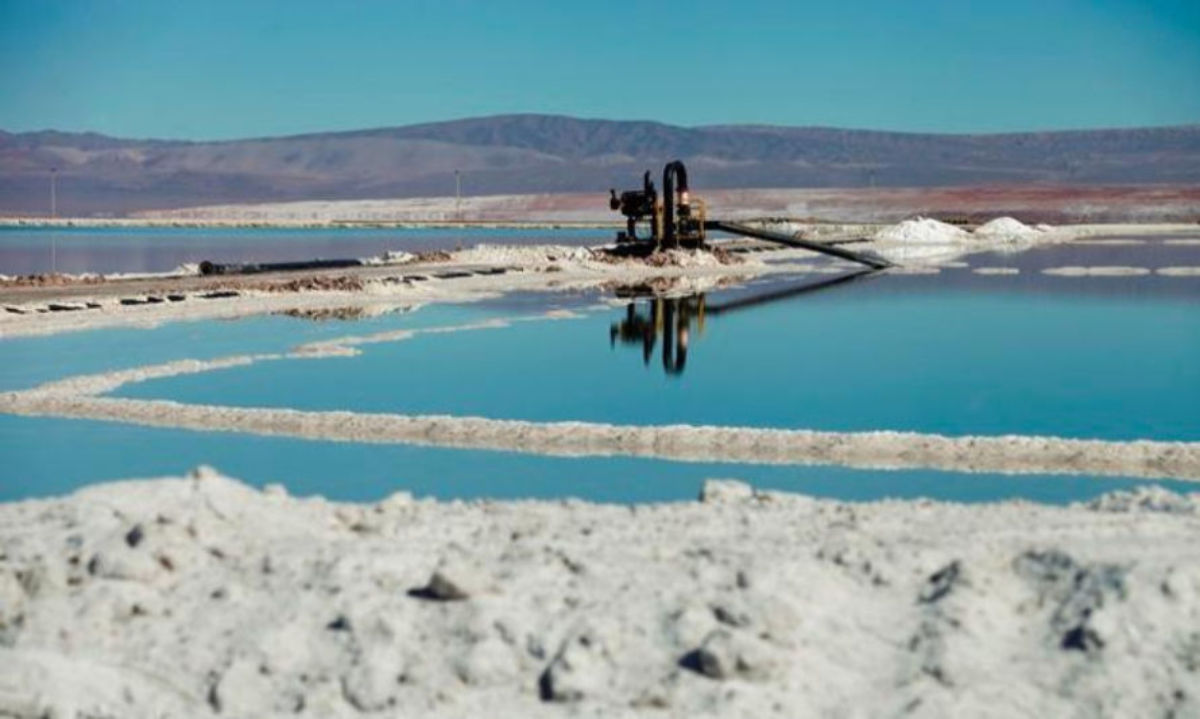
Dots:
pixel 458 195
pixel 53 214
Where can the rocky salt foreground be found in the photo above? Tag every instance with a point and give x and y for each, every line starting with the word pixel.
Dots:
pixel 203 596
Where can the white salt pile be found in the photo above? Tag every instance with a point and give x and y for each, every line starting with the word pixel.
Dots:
pixel 925 230
pixel 1008 228
pixel 921 230
pixel 921 241
pixel 1004 226
pixel 927 241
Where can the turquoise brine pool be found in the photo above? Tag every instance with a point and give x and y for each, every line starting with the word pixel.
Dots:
pixel 955 353
pixel 859 357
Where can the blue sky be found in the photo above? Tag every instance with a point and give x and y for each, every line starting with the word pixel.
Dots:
pixel 216 69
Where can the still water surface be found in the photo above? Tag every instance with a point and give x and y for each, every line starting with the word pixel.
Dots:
pixel 105 250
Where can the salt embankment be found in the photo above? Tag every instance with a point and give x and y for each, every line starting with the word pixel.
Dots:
pixel 564 257
pixel 203 597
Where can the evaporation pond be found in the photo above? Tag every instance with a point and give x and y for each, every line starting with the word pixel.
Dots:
pixel 869 355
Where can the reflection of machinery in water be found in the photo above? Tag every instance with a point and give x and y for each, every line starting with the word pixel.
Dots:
pixel 672 318
pixel 669 317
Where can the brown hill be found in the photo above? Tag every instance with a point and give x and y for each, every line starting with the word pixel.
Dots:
pixel 539 153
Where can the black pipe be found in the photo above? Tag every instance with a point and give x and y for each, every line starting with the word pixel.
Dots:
pixel 870 259
pixel 794 291
pixel 213 268
pixel 673 170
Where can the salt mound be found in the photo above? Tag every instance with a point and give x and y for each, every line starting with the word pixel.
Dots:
pixel 1006 227
pixel 689 258
pixel 922 229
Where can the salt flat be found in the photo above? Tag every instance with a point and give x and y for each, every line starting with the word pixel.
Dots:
pixel 202 596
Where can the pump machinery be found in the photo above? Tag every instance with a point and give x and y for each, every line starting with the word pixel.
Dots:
pixel 678 220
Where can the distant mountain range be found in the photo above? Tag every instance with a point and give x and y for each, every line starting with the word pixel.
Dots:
pixel 100 175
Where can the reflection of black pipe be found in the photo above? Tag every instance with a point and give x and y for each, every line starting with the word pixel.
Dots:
pixel 804 289
pixel 681 348
pixel 670 323
pixel 676 320
pixel 668 352
pixel 649 334
pixel 672 171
